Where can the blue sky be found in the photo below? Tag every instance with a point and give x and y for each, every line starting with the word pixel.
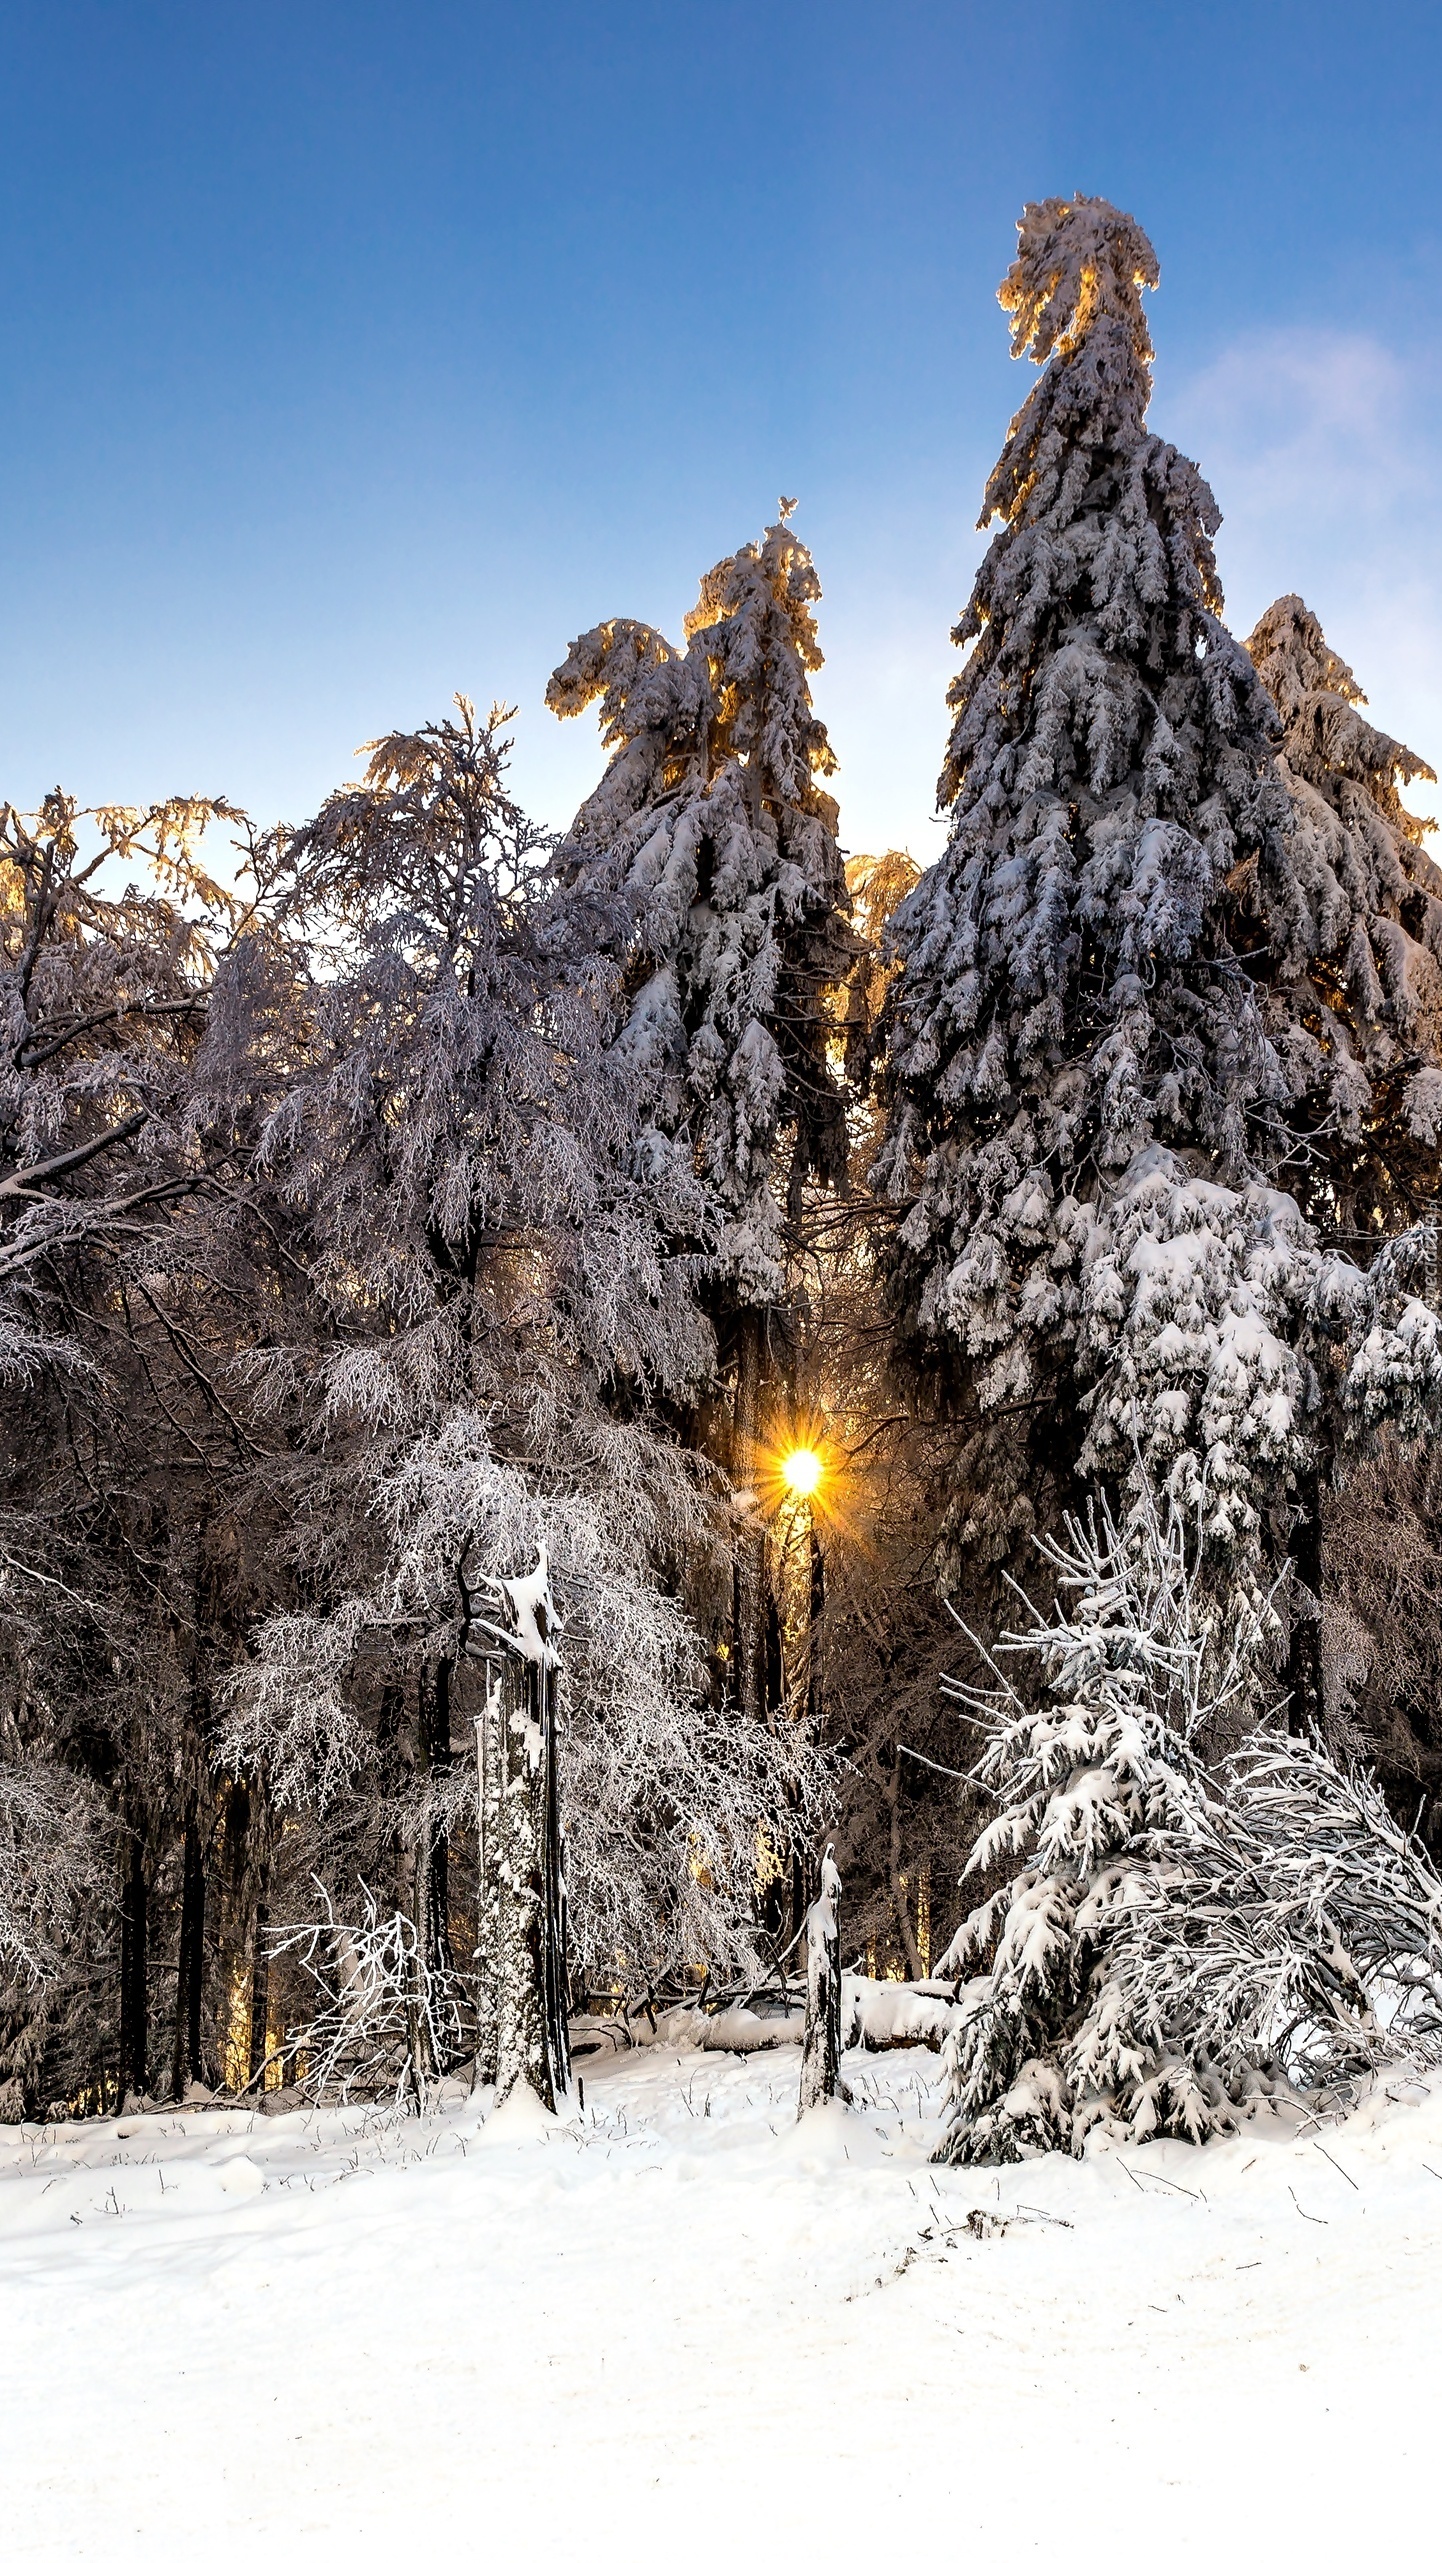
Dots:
pixel 357 353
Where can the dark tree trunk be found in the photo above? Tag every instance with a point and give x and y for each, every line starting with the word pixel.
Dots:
pixel 821 2049
pixel 388 1727
pixel 190 1972
pixel 245 1955
pixel 389 1777
pixel 436 1761
pixel 553 1875
pixel 490 1780
pixel 430 1885
pixel 749 1617
pixel 259 1995
pixel 891 1791
pixel 815 1608
pixel 773 1695
pixel 813 1635
pixel 233 1932
pixel 796 1901
pixel 523 1857
pixel 1304 1650
pixel 134 2062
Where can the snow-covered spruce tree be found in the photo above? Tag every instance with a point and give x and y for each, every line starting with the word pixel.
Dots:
pixel 1345 942
pixel 713 843
pixel 1353 930
pixel 1088 1107
pixel 1101 1787
pixel 713 833
pixel 1184 1930
pixel 1066 998
pixel 1223 1353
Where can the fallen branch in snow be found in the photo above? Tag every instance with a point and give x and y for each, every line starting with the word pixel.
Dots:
pixel 897 2015
pixel 735 2031
pixel 874 2015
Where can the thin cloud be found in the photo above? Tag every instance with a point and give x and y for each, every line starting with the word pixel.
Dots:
pixel 1324 451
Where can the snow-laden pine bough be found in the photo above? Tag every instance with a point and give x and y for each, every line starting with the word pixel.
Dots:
pixel 1302 1930
pixel 710 844
pixel 1179 1941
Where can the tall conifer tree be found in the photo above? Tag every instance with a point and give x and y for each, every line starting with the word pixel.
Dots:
pixel 1353 931
pixel 1347 938
pixel 712 834
pixel 1089 1111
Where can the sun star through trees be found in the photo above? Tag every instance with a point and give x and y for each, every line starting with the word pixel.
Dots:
pixel 801 1470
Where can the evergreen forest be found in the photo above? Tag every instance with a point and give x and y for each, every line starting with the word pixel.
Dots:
pixel 678 1431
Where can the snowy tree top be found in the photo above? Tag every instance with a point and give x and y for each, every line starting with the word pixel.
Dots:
pixel 754 619
pixel 738 689
pixel 1080 260
pixel 1074 293
pixel 1084 1084
pixel 1294 658
pixel 1317 695
pixel 1353 922
pixel 620 663
pixel 711 835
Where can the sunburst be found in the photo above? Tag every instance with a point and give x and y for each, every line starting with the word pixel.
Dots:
pixel 802 1470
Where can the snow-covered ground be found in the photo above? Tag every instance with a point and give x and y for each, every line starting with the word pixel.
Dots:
pixel 682 2326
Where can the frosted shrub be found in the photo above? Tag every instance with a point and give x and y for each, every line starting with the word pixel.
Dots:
pixel 1100 1783
pixel 385 2021
pixel 1181 1933
pixel 1302 1933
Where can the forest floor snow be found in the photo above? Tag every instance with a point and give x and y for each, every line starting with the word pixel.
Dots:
pixel 682 2325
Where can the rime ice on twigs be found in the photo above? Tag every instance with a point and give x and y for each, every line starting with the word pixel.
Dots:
pixel 709 848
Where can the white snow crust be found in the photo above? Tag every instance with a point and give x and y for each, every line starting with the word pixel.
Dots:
pixel 678 2325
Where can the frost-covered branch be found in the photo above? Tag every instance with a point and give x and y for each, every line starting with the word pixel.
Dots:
pixel 379 2007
